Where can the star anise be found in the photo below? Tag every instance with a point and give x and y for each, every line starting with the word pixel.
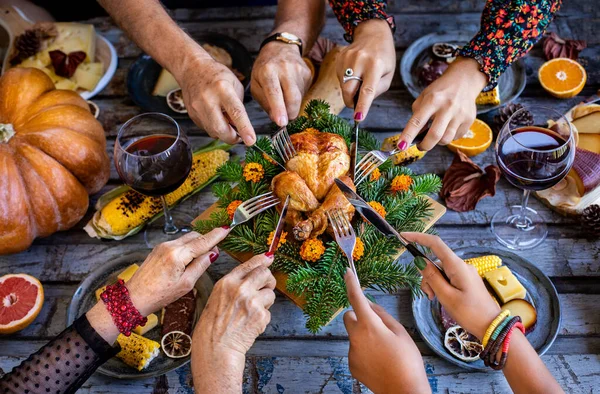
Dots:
pixel 465 183
pixel 65 65
pixel 554 47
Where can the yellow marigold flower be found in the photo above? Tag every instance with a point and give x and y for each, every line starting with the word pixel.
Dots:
pixel 312 249
pixel 378 207
pixel 254 172
pixel 401 183
pixel 359 249
pixel 375 175
pixel 232 207
pixel 282 239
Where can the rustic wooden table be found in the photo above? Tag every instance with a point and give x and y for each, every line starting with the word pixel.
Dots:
pixel 287 357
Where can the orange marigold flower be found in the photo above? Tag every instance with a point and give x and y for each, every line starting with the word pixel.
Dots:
pixel 282 239
pixel 401 183
pixel 232 207
pixel 378 207
pixel 375 175
pixel 312 249
pixel 254 172
pixel 359 249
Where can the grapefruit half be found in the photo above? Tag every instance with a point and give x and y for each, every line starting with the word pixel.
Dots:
pixel 21 299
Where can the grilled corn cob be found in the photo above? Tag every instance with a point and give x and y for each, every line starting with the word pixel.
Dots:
pixel 491 97
pixel 137 351
pixel 403 158
pixel 123 212
pixel 485 263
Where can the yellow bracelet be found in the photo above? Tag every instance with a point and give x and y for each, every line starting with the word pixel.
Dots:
pixel 503 315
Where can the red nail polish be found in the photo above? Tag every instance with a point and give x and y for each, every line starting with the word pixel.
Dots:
pixel 358 116
pixel 225 227
pixel 213 257
pixel 402 145
pixel 270 254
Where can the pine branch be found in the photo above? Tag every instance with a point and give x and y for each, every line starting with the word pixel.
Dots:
pixel 426 184
pixel 217 219
pixel 367 141
pixel 230 171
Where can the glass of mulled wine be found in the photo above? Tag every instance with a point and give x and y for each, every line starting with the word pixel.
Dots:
pixel 153 156
pixel 535 150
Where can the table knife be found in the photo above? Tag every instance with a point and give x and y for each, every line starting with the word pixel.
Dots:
pixel 371 216
pixel 279 227
pixel 263 152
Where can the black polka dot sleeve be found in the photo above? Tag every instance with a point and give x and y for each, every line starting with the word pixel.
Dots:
pixel 62 365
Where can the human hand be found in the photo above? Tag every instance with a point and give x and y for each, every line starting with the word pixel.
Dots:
pixel 214 98
pixel 372 56
pixel 450 102
pixel 382 355
pixel 280 78
pixel 466 299
pixel 172 269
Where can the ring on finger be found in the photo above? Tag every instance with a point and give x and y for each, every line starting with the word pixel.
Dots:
pixel 349 76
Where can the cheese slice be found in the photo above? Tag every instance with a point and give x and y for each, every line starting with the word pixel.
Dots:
pixel 165 83
pixel 589 142
pixel 74 37
pixel 150 324
pixel 88 75
pixel 505 284
pixel 588 124
pixel 65 84
pixel 128 272
pixel 99 292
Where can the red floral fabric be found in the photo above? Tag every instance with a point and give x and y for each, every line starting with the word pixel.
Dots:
pixel 508 31
pixel 351 13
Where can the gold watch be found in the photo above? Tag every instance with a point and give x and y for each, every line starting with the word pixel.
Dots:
pixel 285 37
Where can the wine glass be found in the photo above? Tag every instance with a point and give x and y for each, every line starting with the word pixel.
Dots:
pixel 534 152
pixel 153 156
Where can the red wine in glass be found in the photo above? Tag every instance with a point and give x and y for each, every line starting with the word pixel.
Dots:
pixel 530 158
pixel 156 174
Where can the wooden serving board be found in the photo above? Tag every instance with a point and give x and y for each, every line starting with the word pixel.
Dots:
pixel 438 212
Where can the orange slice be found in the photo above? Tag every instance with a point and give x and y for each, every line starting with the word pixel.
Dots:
pixel 562 77
pixel 478 139
pixel 21 299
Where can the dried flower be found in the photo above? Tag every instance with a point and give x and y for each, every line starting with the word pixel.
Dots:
pixel 554 47
pixel 65 65
pixel 282 239
pixel 232 207
pixel 254 172
pixel 378 207
pixel 401 183
pixel 359 249
pixel 464 183
pixel 375 175
pixel 312 249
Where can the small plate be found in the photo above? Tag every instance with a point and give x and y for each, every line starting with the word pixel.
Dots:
pixel 540 292
pixel 511 83
pixel 144 73
pixel 85 298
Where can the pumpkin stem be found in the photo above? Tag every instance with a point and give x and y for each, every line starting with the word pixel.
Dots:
pixel 6 132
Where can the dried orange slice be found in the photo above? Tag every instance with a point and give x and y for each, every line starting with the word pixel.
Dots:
pixel 562 77
pixel 478 139
pixel 462 345
pixel 176 344
pixel 21 299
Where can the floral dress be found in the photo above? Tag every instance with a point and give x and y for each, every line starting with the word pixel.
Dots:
pixel 351 13
pixel 508 31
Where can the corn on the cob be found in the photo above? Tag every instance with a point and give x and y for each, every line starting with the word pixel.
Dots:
pixel 126 213
pixel 485 263
pixel 403 158
pixel 137 351
pixel 491 97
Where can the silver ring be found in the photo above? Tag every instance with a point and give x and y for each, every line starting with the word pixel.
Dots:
pixel 349 76
pixel 349 72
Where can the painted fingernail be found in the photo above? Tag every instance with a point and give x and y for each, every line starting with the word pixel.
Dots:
pixel 225 227
pixel 402 145
pixel 213 256
pixel 270 254
pixel 358 116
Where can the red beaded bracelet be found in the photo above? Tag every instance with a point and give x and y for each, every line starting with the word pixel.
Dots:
pixel 505 345
pixel 118 303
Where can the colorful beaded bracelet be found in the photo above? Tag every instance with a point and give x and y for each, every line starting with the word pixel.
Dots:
pixel 489 353
pixel 493 326
pixel 505 345
pixel 499 328
pixel 118 303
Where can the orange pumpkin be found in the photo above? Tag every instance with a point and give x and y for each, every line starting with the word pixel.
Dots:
pixel 52 155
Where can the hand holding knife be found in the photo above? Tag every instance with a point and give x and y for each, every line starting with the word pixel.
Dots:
pixel 371 216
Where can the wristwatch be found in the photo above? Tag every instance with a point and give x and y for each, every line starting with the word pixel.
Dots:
pixel 287 38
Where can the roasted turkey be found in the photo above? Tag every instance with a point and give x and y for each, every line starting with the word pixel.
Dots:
pixel 310 182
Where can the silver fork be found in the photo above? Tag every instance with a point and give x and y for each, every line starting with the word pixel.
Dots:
pixel 283 144
pixel 375 158
pixel 344 235
pixel 252 207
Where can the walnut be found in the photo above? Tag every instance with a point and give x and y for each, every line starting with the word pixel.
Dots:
pixel 465 183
